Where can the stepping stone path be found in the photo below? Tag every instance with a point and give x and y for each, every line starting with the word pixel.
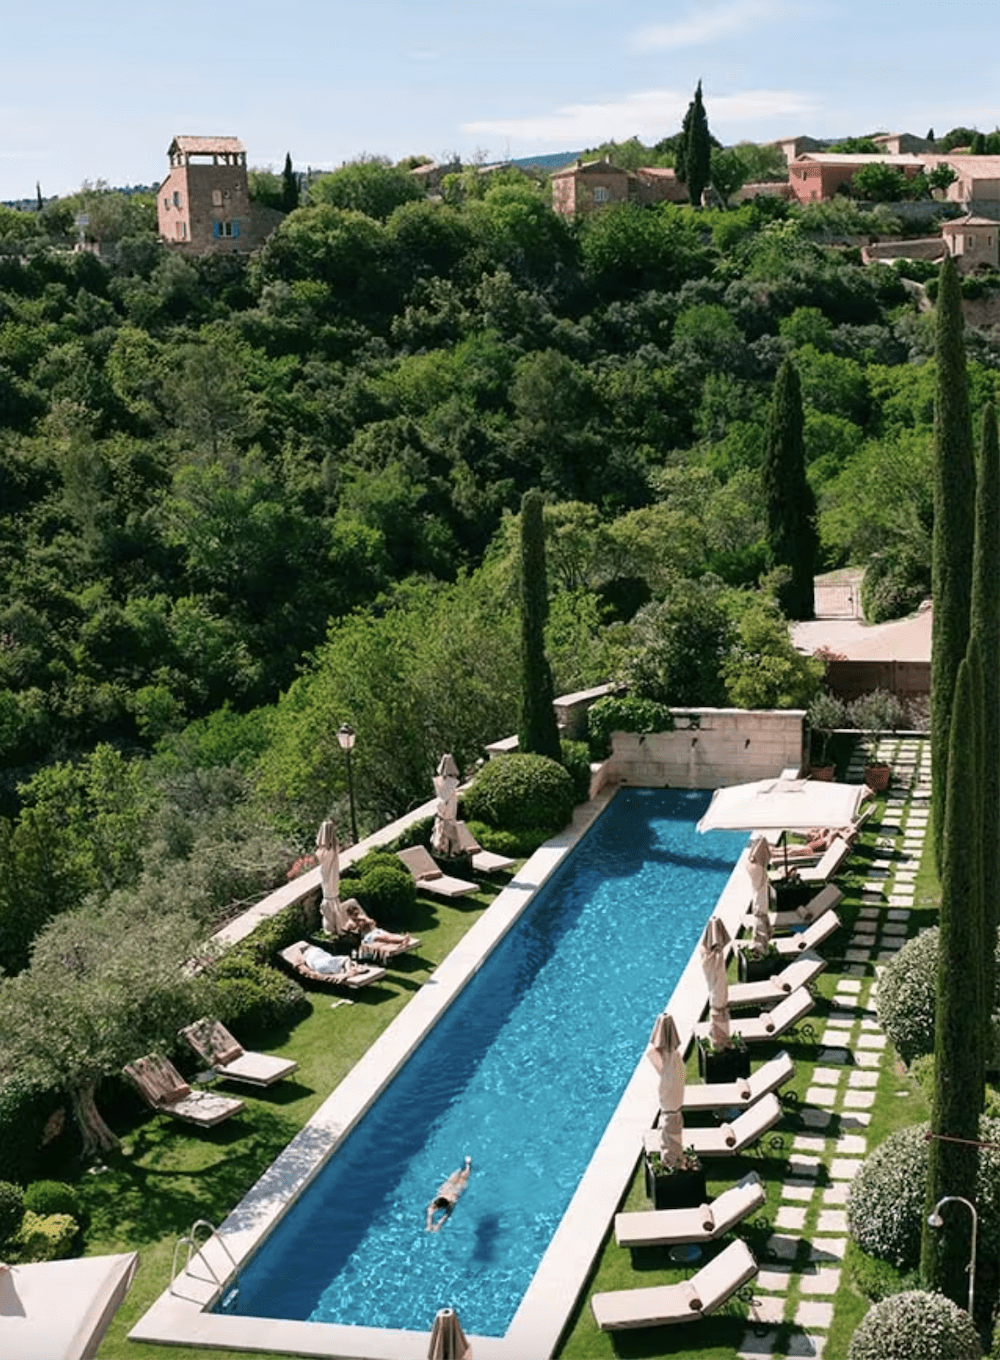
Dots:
pixel 800 1274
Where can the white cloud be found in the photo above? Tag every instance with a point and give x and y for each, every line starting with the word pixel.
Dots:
pixel 706 26
pixel 649 115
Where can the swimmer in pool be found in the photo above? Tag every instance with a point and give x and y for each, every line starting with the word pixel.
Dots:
pixel 447 1196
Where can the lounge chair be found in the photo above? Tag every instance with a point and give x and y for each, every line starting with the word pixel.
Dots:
pixel 799 973
pixel 430 878
pixel 162 1087
pixel 349 921
pixel 212 1041
pixel 661 1227
pixel 821 871
pixel 770 1024
pixel 353 975
pixel 788 946
pixel 824 900
pixel 483 861
pixel 686 1301
pixel 721 1095
pixel 730 1138
pixel 849 833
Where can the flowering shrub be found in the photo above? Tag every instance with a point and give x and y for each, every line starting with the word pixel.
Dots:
pixel 915 1326
pixel 906 994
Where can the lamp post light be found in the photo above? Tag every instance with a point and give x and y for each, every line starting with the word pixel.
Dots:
pixel 936 1221
pixel 347 738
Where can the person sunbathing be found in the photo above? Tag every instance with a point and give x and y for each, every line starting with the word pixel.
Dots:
pixel 356 919
pixel 447 1196
pixel 330 965
pixel 378 936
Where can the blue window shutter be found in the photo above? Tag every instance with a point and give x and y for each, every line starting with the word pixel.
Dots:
pixel 236 228
pixel 216 228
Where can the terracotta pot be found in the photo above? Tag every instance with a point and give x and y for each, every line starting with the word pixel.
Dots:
pixel 877 777
pixel 825 772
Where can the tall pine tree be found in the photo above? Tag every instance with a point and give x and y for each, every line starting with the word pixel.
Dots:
pixel 954 494
pixel 538 733
pixel 693 158
pixel 289 186
pixel 985 624
pixel 958 1028
pixel 791 505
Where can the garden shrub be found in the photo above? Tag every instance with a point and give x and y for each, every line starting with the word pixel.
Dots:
pixel 25 1110
pixel 388 893
pixel 624 713
pixel 907 995
pixel 417 833
pixel 915 1326
pixel 252 998
pixel 885 1204
pixel 268 939
pixel 52 1197
pixel 576 762
pixel 516 844
pixel 43 1237
pixel 11 1209
pixel 874 1278
pixel 894 584
pixel 518 792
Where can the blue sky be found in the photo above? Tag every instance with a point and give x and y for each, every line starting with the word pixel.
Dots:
pixel 97 92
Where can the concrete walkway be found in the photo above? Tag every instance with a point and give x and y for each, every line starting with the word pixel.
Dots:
pixel 795 1288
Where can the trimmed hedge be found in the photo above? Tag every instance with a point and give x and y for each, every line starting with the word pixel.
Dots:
pixel 52 1197
pixel 254 999
pixel 387 892
pixel 518 792
pixel 915 1326
pixel 43 1237
pixel 907 994
pixel 515 844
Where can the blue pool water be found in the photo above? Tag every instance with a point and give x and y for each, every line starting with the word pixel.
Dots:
pixel 523 1073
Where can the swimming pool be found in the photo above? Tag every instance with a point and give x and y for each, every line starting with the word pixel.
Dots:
pixel 523 1073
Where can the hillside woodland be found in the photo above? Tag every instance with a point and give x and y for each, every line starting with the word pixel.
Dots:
pixel 245 500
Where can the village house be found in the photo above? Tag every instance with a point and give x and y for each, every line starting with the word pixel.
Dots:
pixel 972 242
pixel 204 205
pixel 589 185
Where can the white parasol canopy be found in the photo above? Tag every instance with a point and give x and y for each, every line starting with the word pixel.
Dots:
pixel 712 951
pixel 445 839
pixel 783 805
pixel 448 1341
pixel 664 1052
pixel 758 858
pixel 328 857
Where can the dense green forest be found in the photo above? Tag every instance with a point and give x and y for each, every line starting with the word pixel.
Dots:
pixel 245 500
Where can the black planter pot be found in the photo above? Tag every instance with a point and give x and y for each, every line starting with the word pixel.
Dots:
pixel 679 1190
pixel 788 896
pixel 731 1064
pixel 752 969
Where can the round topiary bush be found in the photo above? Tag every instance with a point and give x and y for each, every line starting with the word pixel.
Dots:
pixel 518 792
pixel 388 893
pixel 906 995
pixel 52 1197
pixel 11 1209
pixel 252 998
pixel 885 1204
pixel 915 1326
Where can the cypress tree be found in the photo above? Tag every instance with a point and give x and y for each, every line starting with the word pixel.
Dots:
pixel 289 186
pixel 985 624
pixel 791 505
pixel 958 1045
pixel 693 161
pixel 539 733
pixel 954 493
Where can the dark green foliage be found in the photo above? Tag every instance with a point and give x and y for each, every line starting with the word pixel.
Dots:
pixel 576 761
pixel 959 1057
pixel 624 713
pixel 985 624
pixel 678 645
pixel 387 892
pixel 514 844
pixel 538 733
pixel 370 186
pixel 253 998
pixel 873 1277
pixel 266 940
pixel 915 1326
pixel 791 505
pixel 417 833
pixel 694 150
pixel 520 792
pixel 289 186
pixel 25 1109
pixel 954 531
pixel 12 1209
pixel 52 1197
pixel 894 584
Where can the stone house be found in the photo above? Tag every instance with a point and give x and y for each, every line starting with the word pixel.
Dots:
pixel 898 143
pixel 972 242
pixel 818 175
pixel 587 186
pixel 204 206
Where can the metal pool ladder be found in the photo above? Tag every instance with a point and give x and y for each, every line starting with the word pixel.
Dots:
pixel 190 1240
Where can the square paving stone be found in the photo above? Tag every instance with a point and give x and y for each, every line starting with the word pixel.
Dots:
pixel 895 928
pixel 884 955
pixel 844 1168
pixel 803 1168
pixel 790 1218
pixel 769 1310
pixel 855 1119
pixel 867 1057
pixel 865 914
pixel 828 1249
pixel 822 1095
pixel 870 1026
pixel 865 1079
pixel 781 1247
pixel 858 1100
pixel 799 1193
pixel 857 955
pixel 836 1194
pixel 802 1344
pixel 820 1280
pixel 871 1041
pixel 809 1142
pixel 851 1143
pixel 813 1314
pixel 827 1076
pixel 832 1221
pixel 897 915
pixel 753 1345
pixel 829 1054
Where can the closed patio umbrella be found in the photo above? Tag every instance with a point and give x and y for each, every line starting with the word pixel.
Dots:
pixel 444 835
pixel 329 873
pixel 758 858
pixel 713 964
pixel 448 1341
pixel 664 1053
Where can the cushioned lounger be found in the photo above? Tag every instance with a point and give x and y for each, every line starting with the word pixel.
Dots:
pixel 687 1301
pixel 730 1138
pixel 821 929
pixel 483 861
pixel 723 1095
pixel 770 1024
pixel 212 1041
pixel 162 1086
pixel 430 878
pixel 824 869
pixel 358 975
pixel 824 901
pixel 799 973
pixel 659 1227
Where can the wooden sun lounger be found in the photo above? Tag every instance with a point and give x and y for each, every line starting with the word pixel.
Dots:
pixel 483 861
pixel 660 1227
pixel 721 1095
pixel 788 946
pixel 687 1301
pixel 770 1024
pixel 799 973
pixel 162 1087
pixel 358 975
pixel 212 1042
pixel 430 878
pixel 729 1138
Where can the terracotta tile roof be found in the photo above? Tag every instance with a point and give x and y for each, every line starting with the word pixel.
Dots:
pixel 842 158
pixel 207 146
